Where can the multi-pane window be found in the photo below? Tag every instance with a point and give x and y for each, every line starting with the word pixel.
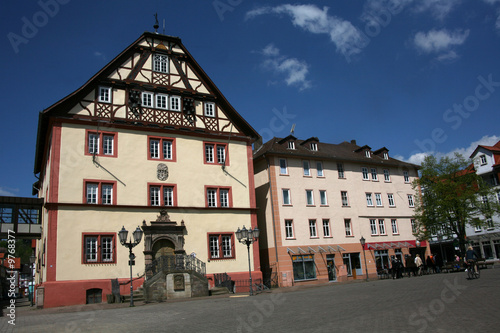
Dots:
pixel 364 171
pixel 312 228
pixel 307 169
pixel 374 174
pixel 378 199
pixel 406 176
pixel 347 226
pixel 101 143
pixel 160 63
pixel 326 228
pixel 218 197
pixel 367 153
pixel 99 193
pixel 309 197
pixel 314 146
pixel 410 200
pixel 369 201
pixel 413 225
pixel 287 200
pixel 345 201
pixel 175 103
pixel 161 101
pixel 381 226
pixel 387 175
pixel 98 248
pixel 162 195
pixel 373 226
pixel 289 228
pixel 322 198
pixel 104 95
pixel 482 159
pixel 390 198
pixel 319 169
pixel 221 246
pixel 291 145
pixel 147 99
pixel 283 167
pixel 340 170
pixel 386 156
pixel 209 109
pixel 303 267
pixel 394 226
pixel 216 153
pixel 161 148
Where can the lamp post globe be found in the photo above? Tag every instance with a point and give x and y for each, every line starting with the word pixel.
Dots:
pixel 137 236
pixel 248 237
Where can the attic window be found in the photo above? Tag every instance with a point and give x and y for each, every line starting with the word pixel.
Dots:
pixel 314 146
pixel 367 153
pixel 482 158
pixel 386 156
pixel 291 145
pixel 104 94
pixel 160 63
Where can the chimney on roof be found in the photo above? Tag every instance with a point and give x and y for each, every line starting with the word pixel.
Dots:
pixel 353 142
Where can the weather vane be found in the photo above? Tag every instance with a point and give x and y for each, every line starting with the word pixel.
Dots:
pixel 156 26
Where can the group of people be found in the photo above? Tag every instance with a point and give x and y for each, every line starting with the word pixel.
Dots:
pixel 414 266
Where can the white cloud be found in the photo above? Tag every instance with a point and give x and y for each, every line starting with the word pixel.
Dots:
pixel 295 71
pixel 497 23
pixel 492 2
pixel 347 38
pixel 436 41
pixel 418 158
pixel 8 192
pixel 438 8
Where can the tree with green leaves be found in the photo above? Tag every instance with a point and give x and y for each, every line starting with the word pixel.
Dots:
pixel 450 197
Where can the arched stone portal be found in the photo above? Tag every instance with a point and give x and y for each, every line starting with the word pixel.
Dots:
pixel 163 238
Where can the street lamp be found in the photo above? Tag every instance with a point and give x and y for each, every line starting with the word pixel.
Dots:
pixel 248 237
pixel 31 288
pixel 363 242
pixel 122 234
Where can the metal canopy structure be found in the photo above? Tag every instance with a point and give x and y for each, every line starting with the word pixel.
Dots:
pixel 20 217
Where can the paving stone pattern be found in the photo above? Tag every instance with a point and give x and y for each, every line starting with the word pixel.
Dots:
pixel 431 303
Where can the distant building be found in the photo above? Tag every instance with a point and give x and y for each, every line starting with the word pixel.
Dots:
pixel 148 138
pixel 316 200
pixel 486 241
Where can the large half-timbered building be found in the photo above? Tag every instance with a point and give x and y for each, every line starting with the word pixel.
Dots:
pixel 148 141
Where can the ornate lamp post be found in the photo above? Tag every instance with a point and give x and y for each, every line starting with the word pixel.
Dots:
pixel 363 242
pixel 31 288
pixel 123 240
pixel 248 237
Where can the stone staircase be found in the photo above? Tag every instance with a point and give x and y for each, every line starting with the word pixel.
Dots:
pixel 138 296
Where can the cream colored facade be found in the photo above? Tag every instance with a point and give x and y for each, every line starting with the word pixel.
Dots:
pixel 296 227
pixel 126 168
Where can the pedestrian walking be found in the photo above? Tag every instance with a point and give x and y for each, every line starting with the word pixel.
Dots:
pixel 419 264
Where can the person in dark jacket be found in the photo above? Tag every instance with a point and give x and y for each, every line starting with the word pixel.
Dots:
pixel 411 268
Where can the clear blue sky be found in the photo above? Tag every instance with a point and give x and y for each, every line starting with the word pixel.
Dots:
pixel 414 76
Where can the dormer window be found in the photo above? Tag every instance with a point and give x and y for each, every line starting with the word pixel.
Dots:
pixel 314 146
pixel 291 145
pixel 367 153
pixel 482 159
pixel 386 156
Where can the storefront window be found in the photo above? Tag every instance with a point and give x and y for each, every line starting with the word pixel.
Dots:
pixel 303 267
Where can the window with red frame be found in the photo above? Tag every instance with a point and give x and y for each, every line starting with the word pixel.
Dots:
pixel 162 195
pixel 161 148
pixel 216 153
pixel 221 246
pixel 101 143
pixel 99 248
pixel 100 192
pixel 218 197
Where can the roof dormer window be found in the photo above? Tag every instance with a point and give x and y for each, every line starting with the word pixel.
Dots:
pixel 482 159
pixel 367 153
pixel 386 156
pixel 291 145
pixel 314 146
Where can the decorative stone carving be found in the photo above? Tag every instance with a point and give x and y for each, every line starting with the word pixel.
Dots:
pixel 179 282
pixel 162 171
